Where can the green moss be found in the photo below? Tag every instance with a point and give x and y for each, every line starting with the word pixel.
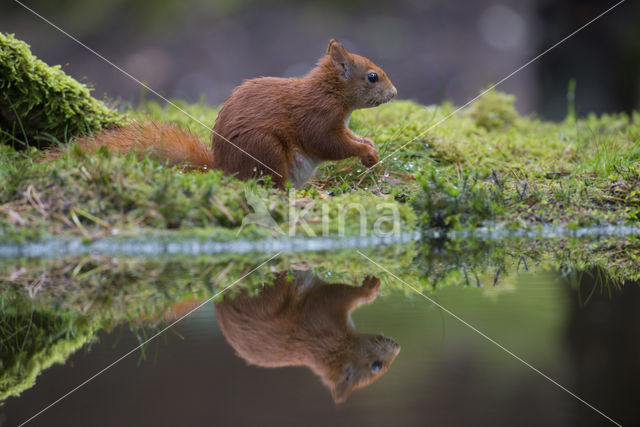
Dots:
pixel 32 341
pixel 40 105
pixel 466 202
pixel 484 164
pixel 494 110
pixel 530 171
pixel 91 196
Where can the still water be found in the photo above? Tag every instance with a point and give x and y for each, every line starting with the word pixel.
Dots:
pixel 279 348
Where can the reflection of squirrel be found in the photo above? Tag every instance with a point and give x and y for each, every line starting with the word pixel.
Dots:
pixel 288 124
pixel 306 322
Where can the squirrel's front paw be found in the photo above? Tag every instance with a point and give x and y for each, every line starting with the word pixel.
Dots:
pixel 370 159
pixel 366 141
pixel 371 282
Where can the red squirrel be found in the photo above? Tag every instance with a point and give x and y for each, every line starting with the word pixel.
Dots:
pixel 301 320
pixel 305 321
pixel 283 127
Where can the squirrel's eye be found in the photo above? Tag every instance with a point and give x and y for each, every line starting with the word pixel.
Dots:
pixel 372 77
pixel 376 365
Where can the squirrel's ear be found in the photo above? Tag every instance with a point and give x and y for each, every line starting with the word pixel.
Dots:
pixel 340 58
pixel 343 387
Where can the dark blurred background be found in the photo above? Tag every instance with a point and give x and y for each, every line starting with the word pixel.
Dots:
pixel 433 50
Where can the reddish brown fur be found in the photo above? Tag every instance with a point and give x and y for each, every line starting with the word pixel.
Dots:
pixel 162 141
pixel 306 322
pixel 284 123
pixel 171 313
pixel 273 118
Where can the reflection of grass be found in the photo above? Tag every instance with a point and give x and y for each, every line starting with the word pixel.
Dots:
pixel 484 163
pixel 33 340
pixel 117 289
pixel 50 308
pixel 486 264
pixel 120 289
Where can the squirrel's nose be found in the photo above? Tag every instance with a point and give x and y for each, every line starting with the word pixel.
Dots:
pixel 394 92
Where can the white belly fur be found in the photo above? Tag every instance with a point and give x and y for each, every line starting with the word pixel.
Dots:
pixel 302 169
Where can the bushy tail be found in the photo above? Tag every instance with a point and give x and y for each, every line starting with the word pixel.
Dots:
pixel 161 141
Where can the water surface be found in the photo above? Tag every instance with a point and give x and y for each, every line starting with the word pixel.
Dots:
pixel 575 322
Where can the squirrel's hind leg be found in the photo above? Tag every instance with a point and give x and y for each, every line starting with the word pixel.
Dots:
pixel 253 156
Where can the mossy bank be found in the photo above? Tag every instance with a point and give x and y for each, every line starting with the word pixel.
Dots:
pixel 483 164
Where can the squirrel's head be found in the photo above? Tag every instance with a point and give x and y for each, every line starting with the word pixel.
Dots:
pixel 369 359
pixel 366 84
